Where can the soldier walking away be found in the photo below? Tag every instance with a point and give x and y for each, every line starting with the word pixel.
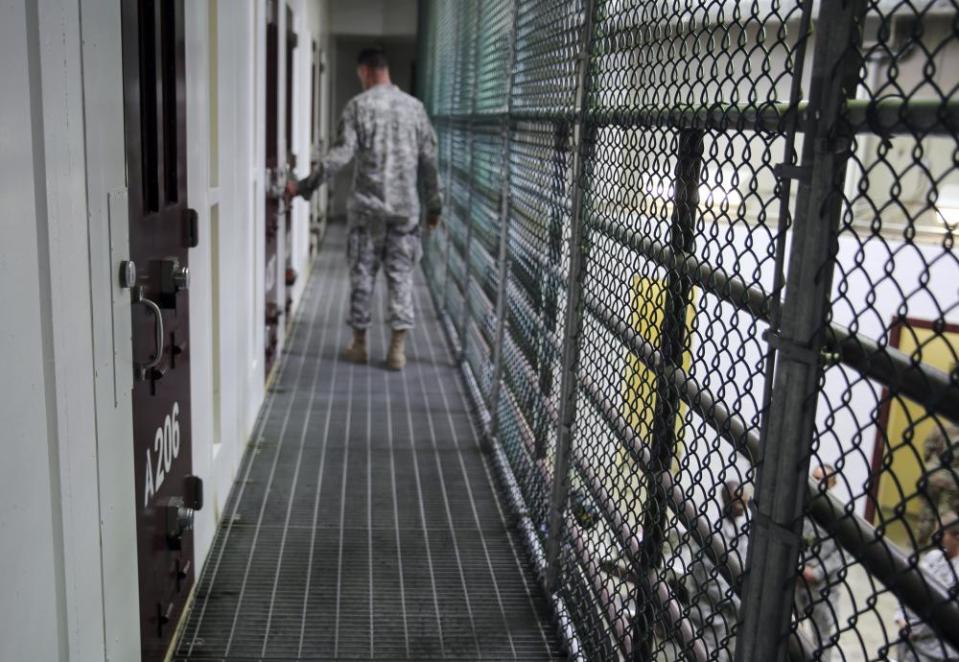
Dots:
pixel 919 642
pixel 388 135
pixel 816 594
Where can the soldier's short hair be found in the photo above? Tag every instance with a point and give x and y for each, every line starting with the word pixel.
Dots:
pixel 374 57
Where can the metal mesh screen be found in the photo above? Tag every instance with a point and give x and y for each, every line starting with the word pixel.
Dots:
pixel 698 264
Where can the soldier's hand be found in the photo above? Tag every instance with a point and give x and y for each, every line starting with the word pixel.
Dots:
pixel 291 189
pixel 433 221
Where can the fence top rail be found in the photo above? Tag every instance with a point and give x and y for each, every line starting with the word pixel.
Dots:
pixel 887 116
pixel 882 363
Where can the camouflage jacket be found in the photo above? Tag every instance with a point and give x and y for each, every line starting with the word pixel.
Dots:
pixel 388 135
pixel 923 638
pixel 820 552
pixel 940 440
pixel 941 471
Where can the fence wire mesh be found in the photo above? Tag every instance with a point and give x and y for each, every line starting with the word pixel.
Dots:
pixel 698 259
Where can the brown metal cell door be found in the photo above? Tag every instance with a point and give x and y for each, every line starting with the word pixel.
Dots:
pixel 289 271
pixel 274 196
pixel 162 229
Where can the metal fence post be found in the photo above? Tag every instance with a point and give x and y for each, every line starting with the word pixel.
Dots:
pixel 548 297
pixel 777 522
pixel 574 314
pixel 471 129
pixel 449 163
pixel 672 343
pixel 502 258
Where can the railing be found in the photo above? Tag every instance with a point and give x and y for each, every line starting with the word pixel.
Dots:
pixel 698 256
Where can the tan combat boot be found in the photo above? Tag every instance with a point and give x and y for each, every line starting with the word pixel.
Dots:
pixel 396 358
pixel 355 352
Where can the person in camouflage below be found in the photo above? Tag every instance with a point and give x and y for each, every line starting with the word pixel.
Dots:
pixel 918 640
pixel 714 608
pixel 817 595
pixel 388 135
pixel 939 482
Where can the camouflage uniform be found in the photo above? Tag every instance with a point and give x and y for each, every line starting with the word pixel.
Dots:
pixel 941 490
pixel 815 600
pixel 715 606
pixel 388 135
pixel 370 246
pixel 920 643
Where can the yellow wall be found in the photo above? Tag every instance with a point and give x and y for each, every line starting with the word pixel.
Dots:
pixel 908 424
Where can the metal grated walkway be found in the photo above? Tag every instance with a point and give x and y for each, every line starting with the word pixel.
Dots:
pixel 364 523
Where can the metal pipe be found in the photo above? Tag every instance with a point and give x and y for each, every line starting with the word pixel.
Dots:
pixel 573 317
pixel 502 258
pixel 775 537
pixel 710 279
pixel 887 365
pixel 672 342
pixel 525 524
pixel 918 381
pixel 467 249
pixel 888 116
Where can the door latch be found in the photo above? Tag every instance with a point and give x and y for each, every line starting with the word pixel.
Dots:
pixel 142 370
pixel 128 280
pixel 172 277
pixel 177 520
pixel 163 617
pixel 178 512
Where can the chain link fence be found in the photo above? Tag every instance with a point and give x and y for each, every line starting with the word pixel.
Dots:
pixel 698 265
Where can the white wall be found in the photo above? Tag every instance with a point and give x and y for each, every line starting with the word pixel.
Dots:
pixel 223 417
pixel 62 432
pixel 226 356
pixel 67 516
pixel 31 535
pixel 311 22
pixel 373 17
pixel 108 245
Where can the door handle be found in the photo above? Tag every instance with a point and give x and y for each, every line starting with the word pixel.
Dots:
pixel 143 368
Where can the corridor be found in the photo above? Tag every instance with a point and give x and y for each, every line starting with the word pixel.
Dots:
pixel 365 523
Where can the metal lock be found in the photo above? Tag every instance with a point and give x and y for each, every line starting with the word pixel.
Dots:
pixel 172 278
pixel 177 520
pixel 178 512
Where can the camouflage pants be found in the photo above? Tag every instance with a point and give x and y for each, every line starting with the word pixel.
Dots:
pixel 816 615
pixel 924 651
pixel 713 626
pixel 398 252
